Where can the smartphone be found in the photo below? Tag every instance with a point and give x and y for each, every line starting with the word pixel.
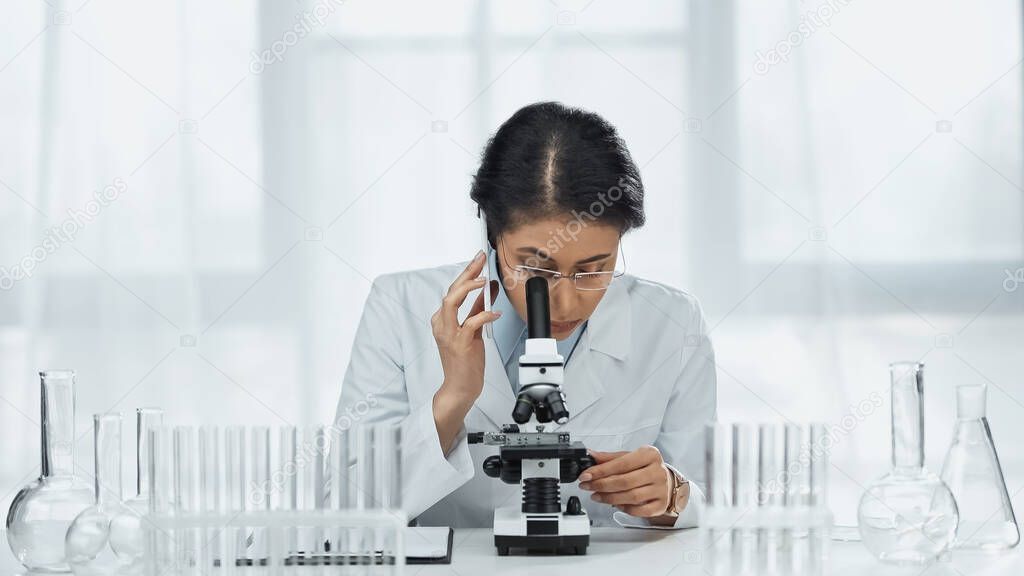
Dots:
pixel 488 329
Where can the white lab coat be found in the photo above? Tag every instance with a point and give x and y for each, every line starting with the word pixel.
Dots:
pixel 642 373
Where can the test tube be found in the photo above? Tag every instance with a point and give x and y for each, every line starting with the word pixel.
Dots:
pixel 260 486
pixel 795 466
pixel 159 553
pixel 817 537
pixel 310 480
pixel 235 462
pixel 770 493
pixel 793 473
pixel 258 490
pixel 311 485
pixel 185 481
pixel 146 420
pixel 342 490
pixel 210 497
pixel 210 500
pixel 279 456
pixel 362 454
pixel 186 497
pixel 717 441
pixel 284 482
pixel 387 466
pixel 234 469
pixel 744 496
pixel 818 466
pixel 343 493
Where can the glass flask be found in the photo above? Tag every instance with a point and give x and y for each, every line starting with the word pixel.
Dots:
pixel 973 473
pixel 42 511
pixel 909 515
pixel 126 528
pixel 87 545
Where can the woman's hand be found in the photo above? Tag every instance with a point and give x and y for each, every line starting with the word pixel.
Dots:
pixel 461 345
pixel 637 482
pixel 462 350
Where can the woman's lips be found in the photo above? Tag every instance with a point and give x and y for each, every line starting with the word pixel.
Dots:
pixel 560 327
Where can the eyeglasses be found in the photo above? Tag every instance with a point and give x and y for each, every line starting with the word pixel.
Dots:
pixel 586 281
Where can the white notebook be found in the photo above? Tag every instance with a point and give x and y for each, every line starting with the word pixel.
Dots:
pixel 428 544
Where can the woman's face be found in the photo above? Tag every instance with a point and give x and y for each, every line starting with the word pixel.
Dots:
pixel 563 245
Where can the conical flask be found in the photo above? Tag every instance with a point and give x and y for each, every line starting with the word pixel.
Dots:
pixel 973 473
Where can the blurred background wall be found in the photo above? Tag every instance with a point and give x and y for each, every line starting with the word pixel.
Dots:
pixel 839 182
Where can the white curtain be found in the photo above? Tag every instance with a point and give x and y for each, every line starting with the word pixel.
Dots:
pixel 874 155
pixel 838 182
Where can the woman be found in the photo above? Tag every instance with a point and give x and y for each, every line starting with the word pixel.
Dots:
pixel 558 190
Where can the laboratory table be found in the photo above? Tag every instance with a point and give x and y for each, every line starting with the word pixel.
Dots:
pixel 621 551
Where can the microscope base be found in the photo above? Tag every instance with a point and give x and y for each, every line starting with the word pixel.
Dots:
pixel 560 545
pixel 563 534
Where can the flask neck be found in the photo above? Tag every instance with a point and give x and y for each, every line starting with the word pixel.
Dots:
pixel 58 423
pixel 907 417
pixel 971 429
pixel 970 402
pixel 108 457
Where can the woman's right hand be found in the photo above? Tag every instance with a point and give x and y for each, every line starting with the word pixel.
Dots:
pixel 461 348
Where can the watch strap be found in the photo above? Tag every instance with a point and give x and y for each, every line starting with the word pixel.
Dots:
pixel 677 484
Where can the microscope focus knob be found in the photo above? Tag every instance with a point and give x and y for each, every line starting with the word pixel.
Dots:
pixel 570 469
pixel 586 462
pixel 492 466
pixel 573 507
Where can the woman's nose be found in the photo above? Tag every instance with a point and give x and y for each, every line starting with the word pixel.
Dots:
pixel 562 296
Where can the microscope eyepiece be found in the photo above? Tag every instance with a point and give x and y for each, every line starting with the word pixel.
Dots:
pixel 538 311
pixel 540 368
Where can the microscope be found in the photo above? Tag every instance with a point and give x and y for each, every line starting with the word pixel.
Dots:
pixel 537 460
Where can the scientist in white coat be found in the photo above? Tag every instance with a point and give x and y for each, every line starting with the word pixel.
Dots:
pixel 558 189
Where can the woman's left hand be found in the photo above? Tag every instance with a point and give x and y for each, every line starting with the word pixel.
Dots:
pixel 637 482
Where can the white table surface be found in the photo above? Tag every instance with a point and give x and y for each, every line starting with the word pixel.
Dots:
pixel 632 552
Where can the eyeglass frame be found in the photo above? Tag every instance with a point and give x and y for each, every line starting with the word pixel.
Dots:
pixel 556 276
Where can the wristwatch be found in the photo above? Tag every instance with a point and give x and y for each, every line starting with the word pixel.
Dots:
pixel 680 492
